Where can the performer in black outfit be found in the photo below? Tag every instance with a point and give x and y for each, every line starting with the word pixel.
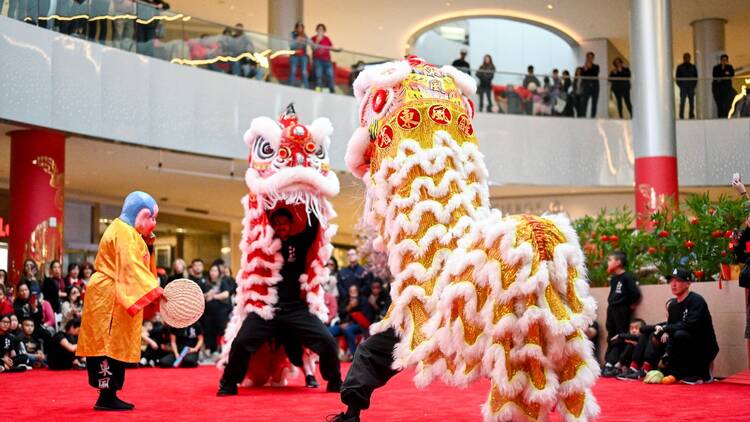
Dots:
pixel 623 295
pixel 292 316
pixel 689 332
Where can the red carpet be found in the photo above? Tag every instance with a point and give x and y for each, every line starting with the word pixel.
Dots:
pixel 739 378
pixel 188 395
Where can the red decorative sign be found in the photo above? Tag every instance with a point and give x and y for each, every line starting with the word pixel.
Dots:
pixel 440 115
pixel 385 137
pixel 464 125
pixel 408 118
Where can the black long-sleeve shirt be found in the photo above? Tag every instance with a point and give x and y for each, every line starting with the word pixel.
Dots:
pixel 686 70
pixel 623 290
pixel 692 315
pixel 294 250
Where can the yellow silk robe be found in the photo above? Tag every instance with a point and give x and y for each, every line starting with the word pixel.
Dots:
pixel 124 283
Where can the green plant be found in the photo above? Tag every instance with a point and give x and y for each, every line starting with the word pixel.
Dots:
pixel 694 235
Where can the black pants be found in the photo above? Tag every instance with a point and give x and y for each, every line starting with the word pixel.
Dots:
pixel 297 321
pixel 214 323
pixel 105 373
pixel 370 369
pixel 649 349
pixel 102 25
pixel 685 358
pixel 619 351
pixel 689 94
pixel 593 94
pixel 620 97
pixel 189 361
pixel 485 91
pixel 618 321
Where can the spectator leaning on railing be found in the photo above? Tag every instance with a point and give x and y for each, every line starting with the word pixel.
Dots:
pixel 722 86
pixel 485 74
pixel 299 58
pixel 621 86
pixel 590 84
pixel 686 76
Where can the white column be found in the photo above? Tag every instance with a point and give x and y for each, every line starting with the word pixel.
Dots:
pixel 653 104
pixel 708 45
pixel 282 15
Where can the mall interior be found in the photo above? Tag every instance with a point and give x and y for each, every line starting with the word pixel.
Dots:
pixel 99 98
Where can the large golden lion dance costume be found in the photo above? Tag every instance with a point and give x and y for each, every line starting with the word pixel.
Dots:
pixel 475 294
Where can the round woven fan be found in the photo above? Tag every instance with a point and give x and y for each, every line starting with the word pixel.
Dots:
pixel 182 303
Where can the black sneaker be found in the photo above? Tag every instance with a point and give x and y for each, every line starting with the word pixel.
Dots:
pixel 341 417
pixel 632 375
pixel 333 387
pixel 226 389
pixel 610 372
pixel 311 382
pixel 691 380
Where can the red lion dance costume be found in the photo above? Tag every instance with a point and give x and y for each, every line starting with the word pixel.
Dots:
pixel 288 167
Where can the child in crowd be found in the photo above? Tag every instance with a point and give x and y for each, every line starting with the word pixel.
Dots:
pixel 624 296
pixel 179 338
pixel 620 353
pixel 6 306
pixel 61 353
pixel 154 342
pixel 31 346
pixel 10 359
pixel 646 356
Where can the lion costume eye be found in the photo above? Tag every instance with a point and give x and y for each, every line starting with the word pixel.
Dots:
pixel 321 153
pixel 262 149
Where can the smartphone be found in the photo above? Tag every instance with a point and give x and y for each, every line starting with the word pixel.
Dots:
pixel 736 178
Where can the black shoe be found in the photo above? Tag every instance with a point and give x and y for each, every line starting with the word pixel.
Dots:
pixel 226 389
pixel 333 387
pixel 691 380
pixel 109 401
pixel 130 405
pixel 632 375
pixel 342 417
pixel 610 372
pixel 311 382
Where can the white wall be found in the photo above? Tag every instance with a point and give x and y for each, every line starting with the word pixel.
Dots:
pixel 513 46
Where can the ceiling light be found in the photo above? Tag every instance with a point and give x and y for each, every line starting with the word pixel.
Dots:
pixel 226 250
pixel 180 230
pixel 549 6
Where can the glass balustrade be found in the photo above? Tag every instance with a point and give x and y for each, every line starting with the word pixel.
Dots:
pixel 151 29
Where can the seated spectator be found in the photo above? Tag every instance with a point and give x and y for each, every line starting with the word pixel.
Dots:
pixel 179 270
pixel 622 345
pixel 154 342
pixel 180 338
pixel 15 326
pixel 54 286
pixel 646 355
pixel 31 346
pixel 61 353
pixel 3 279
pixel 688 333
pixel 6 306
pixel 73 277
pixel 592 333
pixel 352 275
pixel 30 271
pixel 10 359
pixel 379 300
pixel 27 305
pixel 73 307
pixel 235 43
pixel 354 319
pixel 87 270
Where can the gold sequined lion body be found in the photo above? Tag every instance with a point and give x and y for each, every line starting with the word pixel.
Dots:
pixel 475 294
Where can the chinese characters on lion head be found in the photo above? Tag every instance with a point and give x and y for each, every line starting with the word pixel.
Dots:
pixel 475 294
pixel 288 168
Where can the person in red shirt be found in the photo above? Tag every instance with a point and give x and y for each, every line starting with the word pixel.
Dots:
pixel 322 63
pixel 6 306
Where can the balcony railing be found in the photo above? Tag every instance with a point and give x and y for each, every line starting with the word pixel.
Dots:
pixel 150 29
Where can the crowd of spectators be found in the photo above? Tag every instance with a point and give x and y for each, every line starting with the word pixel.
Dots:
pixel 41 315
pixel 557 94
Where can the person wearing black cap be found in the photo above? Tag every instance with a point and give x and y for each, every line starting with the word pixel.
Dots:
pixel 688 333
pixel 624 294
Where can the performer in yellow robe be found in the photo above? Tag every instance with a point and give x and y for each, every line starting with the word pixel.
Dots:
pixel 124 283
